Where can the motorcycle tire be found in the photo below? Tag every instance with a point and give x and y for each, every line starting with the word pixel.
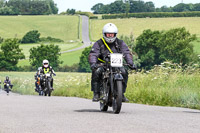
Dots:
pixel 117 99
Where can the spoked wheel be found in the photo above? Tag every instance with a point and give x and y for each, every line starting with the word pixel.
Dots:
pixel 103 107
pixel 117 99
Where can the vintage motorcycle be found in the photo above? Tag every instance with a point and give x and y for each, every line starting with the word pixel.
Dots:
pixel 46 87
pixel 111 86
pixel 7 88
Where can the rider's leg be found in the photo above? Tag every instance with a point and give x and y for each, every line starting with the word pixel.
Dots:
pixel 125 76
pixel 95 83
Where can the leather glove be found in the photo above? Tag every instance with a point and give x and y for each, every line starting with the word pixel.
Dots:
pixel 93 66
pixel 132 66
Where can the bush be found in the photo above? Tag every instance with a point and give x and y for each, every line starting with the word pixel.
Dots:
pixel 50 52
pixel 31 37
pixel 155 47
pixel 50 39
pixel 10 54
pixel 84 65
pixel 93 17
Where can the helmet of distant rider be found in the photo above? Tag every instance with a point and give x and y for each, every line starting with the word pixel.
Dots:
pixel 110 28
pixel 7 78
pixel 45 63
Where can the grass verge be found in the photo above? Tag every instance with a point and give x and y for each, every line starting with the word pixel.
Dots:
pixel 154 88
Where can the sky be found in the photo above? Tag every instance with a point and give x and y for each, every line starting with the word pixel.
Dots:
pixel 86 5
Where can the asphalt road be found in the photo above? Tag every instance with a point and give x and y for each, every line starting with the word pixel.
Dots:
pixel 85 35
pixel 34 114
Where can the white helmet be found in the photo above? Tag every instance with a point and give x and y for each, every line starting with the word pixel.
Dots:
pixel 45 63
pixel 110 28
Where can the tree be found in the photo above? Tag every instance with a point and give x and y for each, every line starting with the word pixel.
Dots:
pixel 50 52
pixel 10 54
pixel 148 49
pixel 33 7
pixel 197 7
pixel 137 6
pixel 84 65
pixel 176 46
pixel 71 11
pixel 150 7
pixel 181 7
pixel 155 47
pixel 165 9
pixel 31 37
pixel 96 8
pixel 2 3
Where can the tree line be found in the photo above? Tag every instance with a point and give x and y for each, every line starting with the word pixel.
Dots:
pixel 28 7
pixel 136 6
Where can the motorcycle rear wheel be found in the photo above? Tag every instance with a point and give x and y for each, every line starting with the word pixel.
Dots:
pixel 117 100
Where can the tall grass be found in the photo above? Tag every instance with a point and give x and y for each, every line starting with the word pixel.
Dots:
pixel 162 86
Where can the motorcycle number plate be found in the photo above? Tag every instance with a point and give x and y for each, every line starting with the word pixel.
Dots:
pixel 47 75
pixel 116 60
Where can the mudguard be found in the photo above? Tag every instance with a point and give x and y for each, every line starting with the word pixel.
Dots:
pixel 118 77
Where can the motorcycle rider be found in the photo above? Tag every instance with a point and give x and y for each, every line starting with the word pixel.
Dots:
pixel 101 48
pixel 46 68
pixel 7 81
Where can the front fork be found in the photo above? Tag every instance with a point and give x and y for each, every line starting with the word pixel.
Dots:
pixel 115 77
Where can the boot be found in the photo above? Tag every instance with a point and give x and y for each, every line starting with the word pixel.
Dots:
pixel 96 97
pixel 96 90
pixel 124 99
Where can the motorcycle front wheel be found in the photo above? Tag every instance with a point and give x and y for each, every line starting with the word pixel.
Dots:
pixel 117 98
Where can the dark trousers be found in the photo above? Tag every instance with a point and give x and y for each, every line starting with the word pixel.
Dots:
pixel 97 78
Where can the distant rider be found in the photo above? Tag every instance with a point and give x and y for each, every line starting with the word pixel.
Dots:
pixel 100 50
pixel 7 81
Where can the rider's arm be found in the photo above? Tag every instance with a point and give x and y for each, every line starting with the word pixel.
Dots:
pixel 5 82
pixel 52 71
pixel 39 71
pixel 94 53
pixel 128 56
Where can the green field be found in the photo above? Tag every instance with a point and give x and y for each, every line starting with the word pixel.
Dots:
pixel 62 27
pixel 64 47
pixel 159 87
pixel 67 58
pixel 138 25
pixel 71 57
pixel 65 27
